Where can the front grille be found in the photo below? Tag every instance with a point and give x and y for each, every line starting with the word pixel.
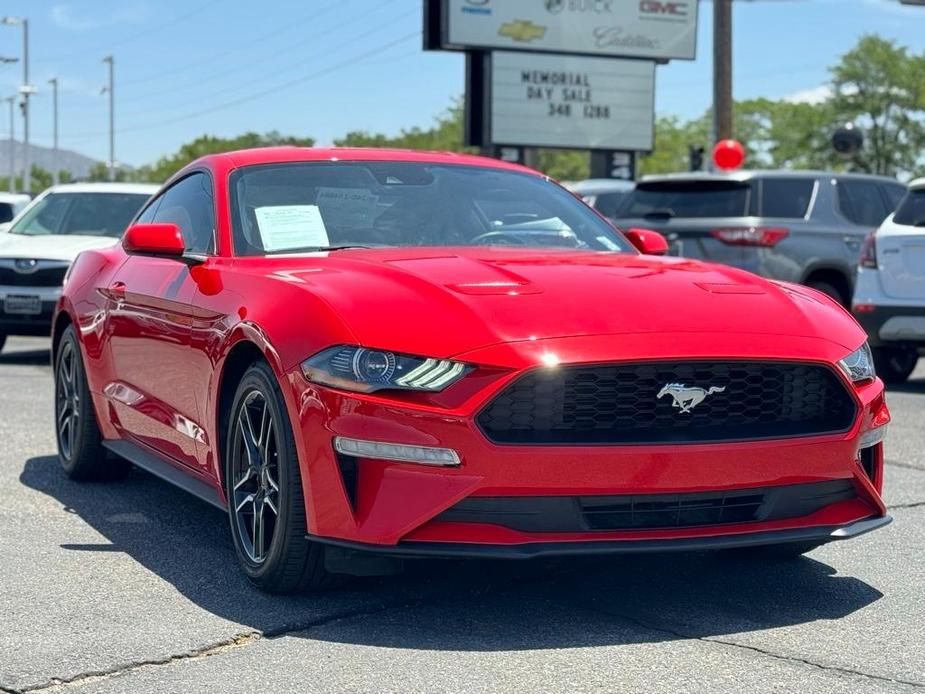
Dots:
pixel 42 277
pixel 649 511
pixel 619 404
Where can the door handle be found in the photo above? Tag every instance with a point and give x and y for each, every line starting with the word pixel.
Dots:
pixel 117 290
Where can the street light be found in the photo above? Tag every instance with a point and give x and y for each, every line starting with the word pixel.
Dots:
pixel 12 101
pixel 26 90
pixel 54 148
pixel 112 118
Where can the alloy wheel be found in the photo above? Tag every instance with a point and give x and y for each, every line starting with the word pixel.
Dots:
pixel 255 474
pixel 67 401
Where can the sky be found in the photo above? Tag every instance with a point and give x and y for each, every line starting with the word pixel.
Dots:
pixel 321 68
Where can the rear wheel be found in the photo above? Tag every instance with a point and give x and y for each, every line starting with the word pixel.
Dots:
pixel 266 506
pixel 830 290
pixel 895 364
pixel 80 449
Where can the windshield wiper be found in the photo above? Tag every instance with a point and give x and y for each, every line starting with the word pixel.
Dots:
pixel 314 249
pixel 660 212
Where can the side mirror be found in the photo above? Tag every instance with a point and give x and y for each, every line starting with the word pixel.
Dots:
pixel 154 239
pixel 647 241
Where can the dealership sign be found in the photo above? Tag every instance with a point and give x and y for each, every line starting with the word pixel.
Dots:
pixel 654 29
pixel 541 100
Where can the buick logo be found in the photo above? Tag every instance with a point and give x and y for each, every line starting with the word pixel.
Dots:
pixel 26 265
pixel 687 398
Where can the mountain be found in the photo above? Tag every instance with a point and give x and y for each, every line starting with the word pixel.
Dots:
pixel 78 164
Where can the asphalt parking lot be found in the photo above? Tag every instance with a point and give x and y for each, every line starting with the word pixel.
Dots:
pixel 133 587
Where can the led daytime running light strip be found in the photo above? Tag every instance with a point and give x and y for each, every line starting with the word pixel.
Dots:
pixel 422 455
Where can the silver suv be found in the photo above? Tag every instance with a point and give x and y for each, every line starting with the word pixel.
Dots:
pixel 799 226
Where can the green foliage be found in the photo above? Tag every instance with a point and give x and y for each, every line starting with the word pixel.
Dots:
pixel 39 181
pixel 165 167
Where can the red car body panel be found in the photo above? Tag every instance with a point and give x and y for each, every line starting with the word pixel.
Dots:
pixel 156 335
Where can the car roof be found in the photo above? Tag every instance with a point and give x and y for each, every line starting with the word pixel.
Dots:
pixel 279 155
pixel 139 188
pixel 747 174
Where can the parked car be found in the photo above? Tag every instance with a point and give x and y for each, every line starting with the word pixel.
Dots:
pixel 798 226
pixel 46 237
pixel 889 299
pixel 603 194
pixel 382 354
pixel 11 204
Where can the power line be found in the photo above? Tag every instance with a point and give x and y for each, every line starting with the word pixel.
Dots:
pixel 132 37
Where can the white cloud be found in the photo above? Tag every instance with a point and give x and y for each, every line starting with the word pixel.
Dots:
pixel 815 95
pixel 64 16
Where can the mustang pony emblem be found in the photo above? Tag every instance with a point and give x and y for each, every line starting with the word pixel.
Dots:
pixel 687 398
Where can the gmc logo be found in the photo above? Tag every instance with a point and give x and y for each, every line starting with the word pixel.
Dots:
pixel 676 9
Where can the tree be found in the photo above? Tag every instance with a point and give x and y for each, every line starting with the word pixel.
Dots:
pixel 165 167
pixel 881 87
pixel 41 179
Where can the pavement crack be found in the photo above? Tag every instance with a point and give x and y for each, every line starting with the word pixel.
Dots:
pixel 905 466
pixel 755 649
pixel 913 504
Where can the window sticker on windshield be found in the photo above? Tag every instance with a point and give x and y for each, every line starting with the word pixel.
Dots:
pixel 291 226
pixel 348 207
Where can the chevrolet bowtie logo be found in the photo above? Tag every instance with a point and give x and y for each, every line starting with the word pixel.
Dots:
pixel 522 30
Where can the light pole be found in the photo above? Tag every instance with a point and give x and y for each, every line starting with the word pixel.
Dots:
pixel 26 90
pixel 12 101
pixel 54 108
pixel 112 118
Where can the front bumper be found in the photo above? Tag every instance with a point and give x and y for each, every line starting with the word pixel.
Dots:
pixel 534 550
pixel 39 324
pixel 372 502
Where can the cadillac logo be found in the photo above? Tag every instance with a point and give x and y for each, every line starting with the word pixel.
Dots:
pixel 687 398
pixel 25 265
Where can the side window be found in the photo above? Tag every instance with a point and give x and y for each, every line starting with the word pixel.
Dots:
pixel 893 195
pixel 189 205
pixel 147 216
pixel 860 202
pixel 608 203
pixel 786 197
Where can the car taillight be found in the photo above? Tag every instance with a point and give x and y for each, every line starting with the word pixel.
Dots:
pixel 750 236
pixel 869 251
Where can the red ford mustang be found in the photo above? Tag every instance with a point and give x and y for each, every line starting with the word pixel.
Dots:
pixel 410 354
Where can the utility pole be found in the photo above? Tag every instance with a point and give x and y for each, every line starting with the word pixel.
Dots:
pixel 722 70
pixel 25 90
pixel 54 107
pixel 112 118
pixel 12 102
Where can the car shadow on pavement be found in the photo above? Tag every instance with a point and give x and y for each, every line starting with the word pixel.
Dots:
pixel 915 386
pixel 455 605
pixel 32 357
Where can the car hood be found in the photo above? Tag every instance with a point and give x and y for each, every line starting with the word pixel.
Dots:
pixel 444 302
pixel 50 246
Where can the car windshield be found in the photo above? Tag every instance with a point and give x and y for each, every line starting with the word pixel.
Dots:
pixel 88 214
pixel 286 208
pixel 688 199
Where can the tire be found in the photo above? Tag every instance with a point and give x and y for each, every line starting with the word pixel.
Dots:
pixel 783 552
pixel 77 433
pixel 895 364
pixel 266 506
pixel 829 290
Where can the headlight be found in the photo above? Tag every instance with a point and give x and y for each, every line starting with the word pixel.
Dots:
pixel 859 365
pixel 367 370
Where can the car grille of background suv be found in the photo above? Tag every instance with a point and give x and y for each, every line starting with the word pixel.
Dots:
pixel 618 404
pixel 41 277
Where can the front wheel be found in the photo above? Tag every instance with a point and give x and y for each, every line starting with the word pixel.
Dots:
pixel 895 364
pixel 263 485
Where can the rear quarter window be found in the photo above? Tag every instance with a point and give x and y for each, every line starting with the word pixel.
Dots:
pixel 911 210
pixel 786 198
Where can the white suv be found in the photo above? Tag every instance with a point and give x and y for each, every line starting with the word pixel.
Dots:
pixel 889 297
pixel 44 239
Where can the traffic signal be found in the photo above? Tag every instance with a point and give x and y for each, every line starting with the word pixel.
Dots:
pixel 695 154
